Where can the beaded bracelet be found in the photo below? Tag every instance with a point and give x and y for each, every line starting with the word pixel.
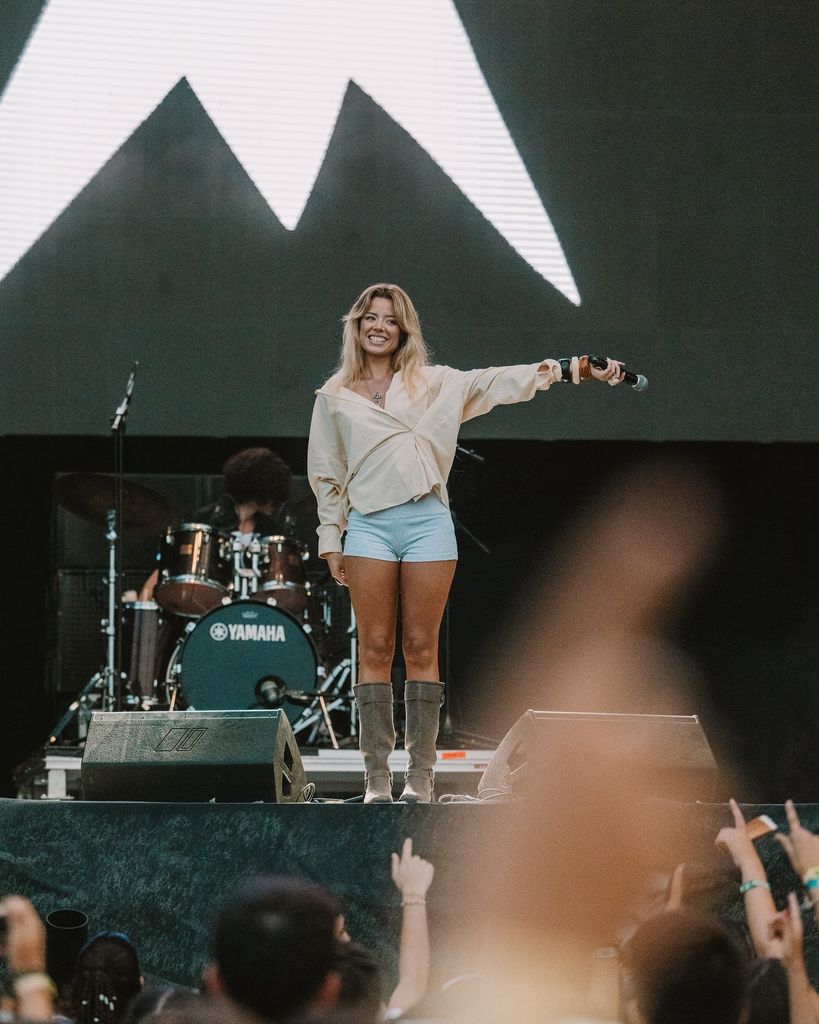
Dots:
pixel 414 901
pixel 810 879
pixel 753 883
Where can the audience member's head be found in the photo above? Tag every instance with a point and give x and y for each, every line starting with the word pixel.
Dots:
pixel 362 988
pixel 107 979
pixel 684 966
pixel 275 950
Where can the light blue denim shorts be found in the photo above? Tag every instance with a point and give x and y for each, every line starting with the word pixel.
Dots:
pixel 417 531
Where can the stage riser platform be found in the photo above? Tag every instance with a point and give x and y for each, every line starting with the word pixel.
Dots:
pixel 335 773
pixel 158 871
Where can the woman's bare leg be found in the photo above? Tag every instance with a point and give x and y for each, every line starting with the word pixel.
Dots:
pixel 374 594
pixel 424 592
pixel 373 587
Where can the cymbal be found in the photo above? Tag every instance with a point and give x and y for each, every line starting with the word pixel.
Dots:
pixel 91 495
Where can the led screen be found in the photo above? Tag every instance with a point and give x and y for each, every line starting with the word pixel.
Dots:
pixel 206 186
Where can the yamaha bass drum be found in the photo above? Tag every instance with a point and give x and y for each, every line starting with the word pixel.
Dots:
pixel 245 655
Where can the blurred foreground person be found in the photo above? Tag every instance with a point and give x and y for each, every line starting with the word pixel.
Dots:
pixel 575 855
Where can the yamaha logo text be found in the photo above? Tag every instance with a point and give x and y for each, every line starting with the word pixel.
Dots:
pixel 247 631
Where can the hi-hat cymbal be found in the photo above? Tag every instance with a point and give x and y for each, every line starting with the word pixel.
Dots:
pixel 91 495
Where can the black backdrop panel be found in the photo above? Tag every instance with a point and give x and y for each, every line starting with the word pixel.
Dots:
pixel 673 148
pixel 78 602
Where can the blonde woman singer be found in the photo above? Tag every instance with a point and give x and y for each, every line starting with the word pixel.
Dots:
pixel 382 441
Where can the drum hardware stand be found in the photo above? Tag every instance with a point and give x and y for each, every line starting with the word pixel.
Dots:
pixel 111 688
pixel 340 685
pixel 312 716
pixel 245 580
pixel 325 713
pixel 76 708
pixel 447 727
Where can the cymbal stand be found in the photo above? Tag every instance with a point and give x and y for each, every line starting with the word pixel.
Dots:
pixel 111 681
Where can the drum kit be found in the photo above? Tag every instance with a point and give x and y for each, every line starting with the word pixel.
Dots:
pixel 234 623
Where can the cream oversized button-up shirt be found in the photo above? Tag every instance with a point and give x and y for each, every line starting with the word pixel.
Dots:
pixel 364 457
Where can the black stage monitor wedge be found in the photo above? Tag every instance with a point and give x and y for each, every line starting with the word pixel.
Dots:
pixel 670 751
pixel 192 756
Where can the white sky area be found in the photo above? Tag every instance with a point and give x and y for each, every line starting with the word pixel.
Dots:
pixel 272 75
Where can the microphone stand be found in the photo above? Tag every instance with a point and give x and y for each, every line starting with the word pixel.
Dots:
pixel 112 688
pixel 447 728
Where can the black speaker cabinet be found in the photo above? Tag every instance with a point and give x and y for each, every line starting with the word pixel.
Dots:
pixel 192 756
pixel 671 751
pixel 78 601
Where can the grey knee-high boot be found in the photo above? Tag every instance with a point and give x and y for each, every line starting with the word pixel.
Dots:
pixel 376 739
pixel 422 701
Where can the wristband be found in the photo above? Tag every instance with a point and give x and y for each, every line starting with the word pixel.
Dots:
pixel 28 982
pixel 753 883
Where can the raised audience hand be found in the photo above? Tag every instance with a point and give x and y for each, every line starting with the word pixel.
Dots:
pixel 801 846
pixel 735 839
pixel 411 874
pixel 26 936
pixel 786 930
pixel 759 905
pixel 25 950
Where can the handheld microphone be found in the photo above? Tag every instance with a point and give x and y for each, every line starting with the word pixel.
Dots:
pixel 636 380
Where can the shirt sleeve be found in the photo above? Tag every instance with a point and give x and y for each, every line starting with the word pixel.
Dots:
pixel 327 471
pixel 504 385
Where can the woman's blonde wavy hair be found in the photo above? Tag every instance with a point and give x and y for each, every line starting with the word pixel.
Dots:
pixel 412 352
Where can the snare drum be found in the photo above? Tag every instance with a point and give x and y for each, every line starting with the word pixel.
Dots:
pixel 281 573
pixel 194 570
